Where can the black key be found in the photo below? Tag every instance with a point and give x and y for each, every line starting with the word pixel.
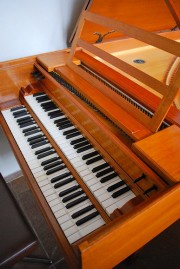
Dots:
pixel 87 218
pixel 24 119
pixel 55 116
pixel 61 120
pixel 50 160
pixel 84 148
pixel 38 93
pixel 72 135
pixel 115 186
pixel 72 196
pixel 70 131
pixel 35 141
pixel 47 153
pixel 76 202
pixel 26 123
pixel 35 137
pixel 120 192
pixel 55 179
pixel 22 114
pixel 90 155
pixel 76 141
pixel 16 108
pixel 37 145
pixel 82 211
pixel 37 152
pixel 69 190
pixel 30 129
pixel 80 145
pixel 51 165
pixel 55 169
pixel 49 103
pixel 63 182
pixel 108 177
pixel 93 160
pixel 100 167
pixel 19 112
pixel 50 108
pixel 104 172
pixel 61 123
pixel 65 126
pixel 42 99
pixel 32 132
pixel 54 112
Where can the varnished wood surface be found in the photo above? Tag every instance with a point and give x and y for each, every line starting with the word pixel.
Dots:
pixel 131 165
pixel 158 64
pixel 126 44
pixel 162 152
pixel 103 134
pixel 169 92
pixel 156 61
pixel 127 85
pixel 174 7
pixel 124 120
pixel 129 232
pixel 14 75
pixel 55 59
pixel 69 106
pixel 130 49
pixel 150 15
pixel 135 230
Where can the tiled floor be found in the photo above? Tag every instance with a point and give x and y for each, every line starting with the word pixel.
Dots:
pixel 162 252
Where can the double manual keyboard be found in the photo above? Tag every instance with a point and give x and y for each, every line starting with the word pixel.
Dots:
pixel 105 184
pixel 72 208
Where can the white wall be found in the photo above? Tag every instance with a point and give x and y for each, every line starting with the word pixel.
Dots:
pixel 8 163
pixel 30 27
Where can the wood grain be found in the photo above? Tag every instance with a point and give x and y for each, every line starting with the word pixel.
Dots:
pixel 127 85
pixel 131 232
pixel 149 15
pixel 162 152
pixel 55 59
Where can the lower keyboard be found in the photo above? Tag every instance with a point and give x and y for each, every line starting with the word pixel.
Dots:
pixel 71 207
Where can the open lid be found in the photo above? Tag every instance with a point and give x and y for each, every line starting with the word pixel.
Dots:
pixel 154 16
